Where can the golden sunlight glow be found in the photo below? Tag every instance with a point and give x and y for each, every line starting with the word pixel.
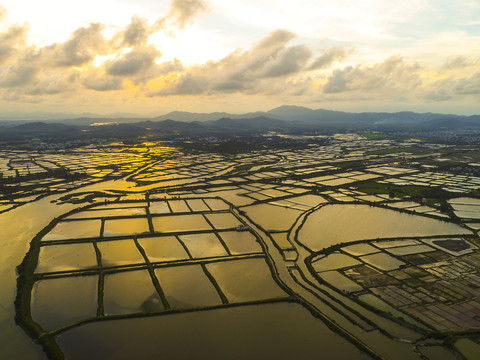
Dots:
pixel 162 81
pixel 433 75
pixel 130 88
pixel 245 55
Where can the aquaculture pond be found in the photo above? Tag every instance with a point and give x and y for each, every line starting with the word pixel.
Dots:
pixel 272 217
pixel 123 277
pixel 334 224
pixel 272 255
pixel 277 331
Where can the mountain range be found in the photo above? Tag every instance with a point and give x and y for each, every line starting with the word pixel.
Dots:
pixel 306 115
pixel 287 119
pixel 285 112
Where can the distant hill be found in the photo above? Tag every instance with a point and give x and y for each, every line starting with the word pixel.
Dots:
pixel 299 113
pixel 283 118
pixel 170 125
pixel 304 115
pixel 39 130
pixel 453 123
pixel 45 116
pixel 187 116
pixel 63 132
pixel 257 123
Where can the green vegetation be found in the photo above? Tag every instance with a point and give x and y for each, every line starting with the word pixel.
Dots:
pixel 405 191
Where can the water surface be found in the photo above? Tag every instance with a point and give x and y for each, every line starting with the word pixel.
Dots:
pixel 334 224
pixel 276 331
pixel 130 292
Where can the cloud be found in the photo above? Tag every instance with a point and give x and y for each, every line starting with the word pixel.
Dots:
pixel 16 75
pixel 3 13
pixel 336 53
pixel 396 78
pixel 170 66
pixel 393 77
pixel 288 61
pixel 137 32
pixel 469 86
pixel 246 71
pixel 437 95
pixel 51 84
pixel 26 67
pixel 142 67
pixel 338 81
pixel 452 88
pixel 278 66
pixel 102 83
pixel 11 40
pixel 80 49
pixel 133 62
pixel 276 39
pixel 11 96
pixel 459 62
pixel 268 58
pixel 183 12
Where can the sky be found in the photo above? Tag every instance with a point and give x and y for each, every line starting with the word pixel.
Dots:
pixel 150 57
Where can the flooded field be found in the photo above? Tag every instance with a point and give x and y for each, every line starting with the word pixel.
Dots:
pixel 203 245
pixel 348 223
pixel 74 229
pixel 179 223
pixel 271 254
pixel 54 258
pixel 62 301
pixel 165 248
pixel 187 287
pixel 272 217
pixel 126 226
pixel 130 292
pixel 119 252
pixel 279 331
